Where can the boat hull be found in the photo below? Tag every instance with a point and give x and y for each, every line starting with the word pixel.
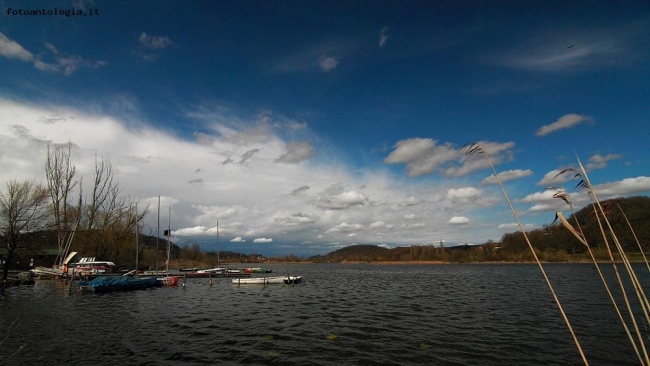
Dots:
pixel 108 284
pixel 288 280
pixel 167 281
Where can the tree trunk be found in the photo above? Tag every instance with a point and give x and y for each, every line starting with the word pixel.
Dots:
pixel 5 271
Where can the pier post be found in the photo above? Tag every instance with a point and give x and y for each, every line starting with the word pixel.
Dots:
pixel 71 281
pixel 210 277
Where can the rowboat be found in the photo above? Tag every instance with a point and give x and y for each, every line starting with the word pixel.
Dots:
pixel 289 280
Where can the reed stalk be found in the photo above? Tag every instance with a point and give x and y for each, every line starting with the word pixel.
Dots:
pixel 475 148
pixel 643 300
pixel 634 235
pixel 600 211
pixel 582 238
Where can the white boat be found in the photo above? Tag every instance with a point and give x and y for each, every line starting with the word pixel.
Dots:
pixel 89 266
pixel 289 280
pixel 212 270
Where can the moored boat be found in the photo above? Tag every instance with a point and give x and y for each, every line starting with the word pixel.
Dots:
pixel 121 283
pixel 167 281
pixel 288 280
pixel 88 266
pixel 257 270
pixel 212 270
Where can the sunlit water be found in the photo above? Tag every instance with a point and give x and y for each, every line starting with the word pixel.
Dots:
pixel 342 315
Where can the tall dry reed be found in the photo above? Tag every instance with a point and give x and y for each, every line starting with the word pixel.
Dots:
pixel 608 232
pixel 475 148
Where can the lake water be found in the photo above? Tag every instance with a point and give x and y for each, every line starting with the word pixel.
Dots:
pixel 352 314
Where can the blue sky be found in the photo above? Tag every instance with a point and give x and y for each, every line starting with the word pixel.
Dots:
pixel 304 127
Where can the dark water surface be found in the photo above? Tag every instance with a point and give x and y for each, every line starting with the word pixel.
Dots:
pixel 361 314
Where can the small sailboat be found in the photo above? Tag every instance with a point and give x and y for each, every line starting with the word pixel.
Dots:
pixel 166 280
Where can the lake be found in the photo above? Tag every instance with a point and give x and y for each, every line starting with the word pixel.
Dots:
pixel 344 314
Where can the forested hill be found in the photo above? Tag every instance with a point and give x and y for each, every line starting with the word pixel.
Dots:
pixel 356 253
pixel 553 242
pixel 636 209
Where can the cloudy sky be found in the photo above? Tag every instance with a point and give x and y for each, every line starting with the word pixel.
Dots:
pixel 303 127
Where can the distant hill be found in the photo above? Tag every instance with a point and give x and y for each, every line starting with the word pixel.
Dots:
pixel 554 242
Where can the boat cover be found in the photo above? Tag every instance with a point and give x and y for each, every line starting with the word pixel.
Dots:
pixel 118 282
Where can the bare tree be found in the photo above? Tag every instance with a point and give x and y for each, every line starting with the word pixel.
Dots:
pixel 117 234
pixel 104 192
pixel 60 173
pixel 23 209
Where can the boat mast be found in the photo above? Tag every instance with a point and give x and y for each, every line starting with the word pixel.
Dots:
pixel 218 248
pixel 169 233
pixel 136 240
pixel 157 234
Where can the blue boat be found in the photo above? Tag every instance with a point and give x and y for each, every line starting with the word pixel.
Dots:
pixel 116 283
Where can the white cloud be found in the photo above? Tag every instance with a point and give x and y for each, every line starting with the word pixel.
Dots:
pixel 459 220
pixel 413 226
pixel 464 195
pixel 237 239
pixel 344 227
pixel 497 151
pixel 154 42
pixel 552 178
pixel 263 240
pixel 285 218
pixel 544 201
pixel 411 201
pixel 190 231
pixel 11 49
pixel 424 156
pixel 589 49
pixel 377 225
pixel 545 207
pixel 624 187
pixel 66 64
pixel 566 121
pixel 342 201
pixel 327 64
pixel 321 202
pixel 507 175
pixel 515 226
pixel 546 195
pixel 421 155
pixel 599 162
pixel 383 36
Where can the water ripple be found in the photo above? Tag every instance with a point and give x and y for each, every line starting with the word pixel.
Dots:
pixel 343 314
